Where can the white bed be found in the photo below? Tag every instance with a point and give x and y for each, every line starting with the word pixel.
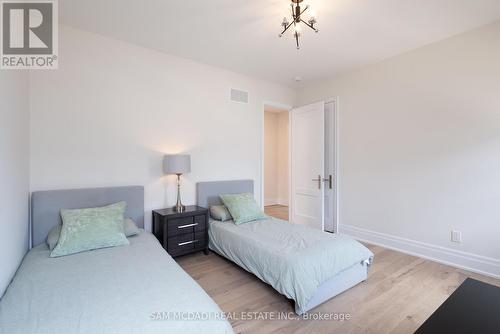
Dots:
pixel 306 265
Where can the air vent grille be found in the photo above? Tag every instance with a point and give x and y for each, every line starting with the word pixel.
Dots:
pixel 239 96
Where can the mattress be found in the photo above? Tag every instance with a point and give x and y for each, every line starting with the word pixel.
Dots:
pixel 294 259
pixel 136 288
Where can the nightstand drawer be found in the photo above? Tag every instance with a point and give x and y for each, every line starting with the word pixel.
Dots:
pixel 185 225
pixel 201 221
pixel 180 226
pixel 185 243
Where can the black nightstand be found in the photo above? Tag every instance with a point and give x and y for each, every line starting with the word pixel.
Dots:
pixel 182 233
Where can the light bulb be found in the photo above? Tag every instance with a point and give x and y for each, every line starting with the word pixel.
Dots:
pixel 298 28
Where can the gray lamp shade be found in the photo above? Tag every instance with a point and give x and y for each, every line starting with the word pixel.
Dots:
pixel 176 163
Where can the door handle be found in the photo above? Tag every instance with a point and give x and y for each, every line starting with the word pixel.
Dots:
pixel 319 179
pixel 330 181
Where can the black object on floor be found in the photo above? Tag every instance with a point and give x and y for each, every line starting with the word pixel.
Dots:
pixel 473 308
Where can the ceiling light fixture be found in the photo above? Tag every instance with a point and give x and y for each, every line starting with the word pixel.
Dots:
pixel 297 21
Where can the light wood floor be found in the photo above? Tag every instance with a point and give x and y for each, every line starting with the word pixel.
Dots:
pixel 277 211
pixel 401 292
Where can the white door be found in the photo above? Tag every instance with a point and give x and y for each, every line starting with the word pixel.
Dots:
pixel 330 168
pixel 307 149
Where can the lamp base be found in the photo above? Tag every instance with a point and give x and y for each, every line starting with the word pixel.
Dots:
pixel 179 208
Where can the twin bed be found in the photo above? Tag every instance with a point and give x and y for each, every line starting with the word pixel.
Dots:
pixel 136 288
pixel 140 288
pixel 306 265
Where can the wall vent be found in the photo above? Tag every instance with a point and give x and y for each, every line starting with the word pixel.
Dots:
pixel 239 96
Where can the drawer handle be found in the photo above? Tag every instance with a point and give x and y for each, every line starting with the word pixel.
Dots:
pixel 188 225
pixel 187 242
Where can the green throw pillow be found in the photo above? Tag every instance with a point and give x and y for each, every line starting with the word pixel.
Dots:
pixel 242 207
pixel 93 228
pixel 220 212
pixel 129 228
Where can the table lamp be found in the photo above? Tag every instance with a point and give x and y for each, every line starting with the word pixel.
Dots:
pixel 177 164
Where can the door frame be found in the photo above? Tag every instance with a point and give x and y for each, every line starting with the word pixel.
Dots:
pixel 334 99
pixel 287 108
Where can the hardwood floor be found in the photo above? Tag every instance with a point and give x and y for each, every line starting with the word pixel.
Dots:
pixel 401 292
pixel 277 211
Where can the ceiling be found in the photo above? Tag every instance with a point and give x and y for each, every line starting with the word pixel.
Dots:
pixel 242 36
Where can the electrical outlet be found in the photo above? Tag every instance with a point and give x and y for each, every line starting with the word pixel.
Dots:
pixel 456 236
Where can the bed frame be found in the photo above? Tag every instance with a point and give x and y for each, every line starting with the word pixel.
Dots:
pixel 46 206
pixel 208 194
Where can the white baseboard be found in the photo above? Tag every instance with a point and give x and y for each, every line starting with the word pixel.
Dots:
pixel 472 262
pixel 275 201
pixel 283 201
pixel 270 201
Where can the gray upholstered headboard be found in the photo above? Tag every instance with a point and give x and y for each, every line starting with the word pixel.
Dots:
pixel 207 193
pixel 46 206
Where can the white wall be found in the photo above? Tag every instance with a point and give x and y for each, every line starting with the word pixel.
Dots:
pixel 112 109
pixel 283 162
pixel 14 172
pixel 276 158
pixel 420 149
pixel 271 192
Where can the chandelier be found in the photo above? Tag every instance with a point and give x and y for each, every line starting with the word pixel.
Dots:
pixel 297 21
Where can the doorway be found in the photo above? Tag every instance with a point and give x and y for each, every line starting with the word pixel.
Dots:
pixel 276 162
